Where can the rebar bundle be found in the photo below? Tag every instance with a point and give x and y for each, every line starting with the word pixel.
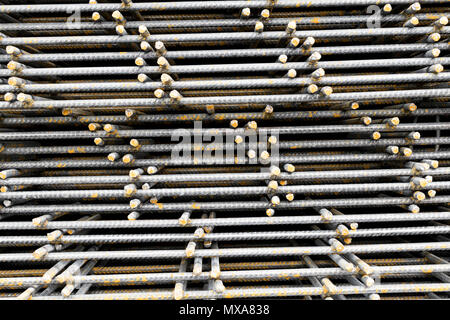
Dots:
pixel 224 149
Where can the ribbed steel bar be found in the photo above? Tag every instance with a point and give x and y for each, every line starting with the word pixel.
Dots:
pixel 240 252
pixel 186 24
pixel 274 275
pixel 303 175
pixel 214 149
pixel 294 158
pixel 197 5
pixel 289 115
pixel 217 84
pixel 225 36
pixel 293 145
pixel 249 67
pixel 264 292
pixel 177 237
pixel 221 191
pixel 150 133
pixel 167 223
pixel 232 53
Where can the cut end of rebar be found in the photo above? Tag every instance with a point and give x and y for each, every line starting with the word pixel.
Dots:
pixel 418 195
pixel 128 158
pixel 190 249
pixel 94 126
pixel 265 155
pixel 259 27
pixel 290 197
pixel 283 58
pixel 413 208
pixel 152 170
pixel 134 143
pixel 411 107
pixel 245 12
pixel 162 62
pixel 99 141
pixel 139 62
pixel 175 95
pixel 326 91
pixel 312 88
pixel 292 73
pixel 54 236
pixel 133 216
pixel 376 135
pixel 178 292
pixel 40 253
pixel 130 189
pixel 96 16
pixel 387 8
pixel 407 152
pixel 135 203
pixel 9 96
pixel 275 200
pixel 273 185
pixel 272 140
pixel 289 167
pixel 294 42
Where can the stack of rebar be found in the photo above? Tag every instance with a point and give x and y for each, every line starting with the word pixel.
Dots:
pixel 224 149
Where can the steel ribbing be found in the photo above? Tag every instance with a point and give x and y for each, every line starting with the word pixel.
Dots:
pixel 273 275
pixel 261 99
pixel 198 5
pixel 349 171
pixel 231 236
pixel 218 54
pixel 186 24
pixel 299 158
pixel 294 145
pixel 321 114
pixel 232 68
pixel 240 252
pixel 221 191
pixel 269 130
pixel 218 84
pixel 304 175
pixel 224 36
pixel 168 223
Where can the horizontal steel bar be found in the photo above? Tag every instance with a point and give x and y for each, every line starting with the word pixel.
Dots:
pixel 248 221
pixel 221 191
pixel 194 5
pixel 220 54
pixel 186 24
pixel 223 36
pixel 282 115
pixel 292 158
pixel 271 275
pixel 10 241
pixel 293 145
pixel 233 68
pixel 239 252
pixel 216 84
pixel 214 131
pixel 244 176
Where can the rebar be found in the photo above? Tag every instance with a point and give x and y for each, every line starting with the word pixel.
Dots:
pixel 224 149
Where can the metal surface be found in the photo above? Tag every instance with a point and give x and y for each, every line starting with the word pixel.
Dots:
pixel 224 149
